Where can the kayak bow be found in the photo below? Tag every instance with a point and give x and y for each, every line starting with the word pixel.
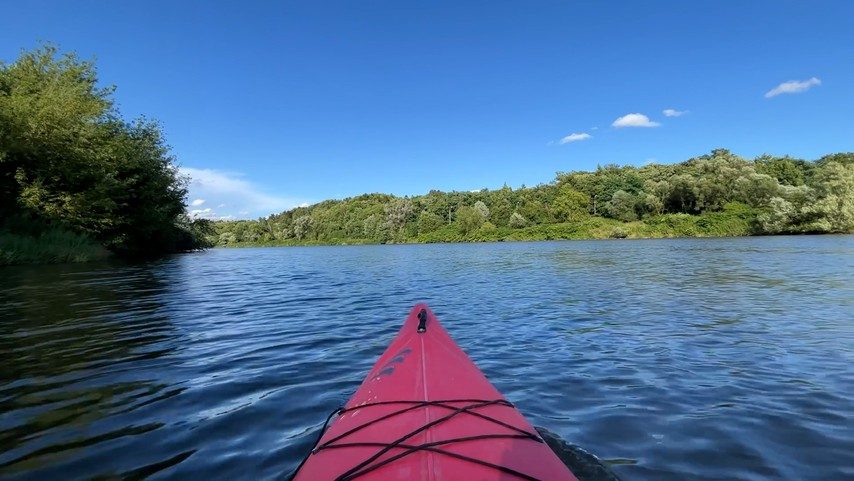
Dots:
pixel 425 412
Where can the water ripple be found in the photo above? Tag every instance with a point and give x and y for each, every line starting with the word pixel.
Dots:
pixel 671 359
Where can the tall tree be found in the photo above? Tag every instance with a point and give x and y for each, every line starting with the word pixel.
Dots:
pixel 67 158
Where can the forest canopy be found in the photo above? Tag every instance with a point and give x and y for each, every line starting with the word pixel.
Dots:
pixel 72 169
pixel 718 194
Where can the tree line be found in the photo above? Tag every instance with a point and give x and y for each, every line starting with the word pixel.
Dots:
pixel 76 178
pixel 72 168
pixel 715 194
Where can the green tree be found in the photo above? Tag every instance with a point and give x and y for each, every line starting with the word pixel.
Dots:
pixel 469 219
pixel 786 170
pixel 51 110
pixel 779 217
pixel 622 206
pixel 844 158
pixel 517 221
pixel 756 189
pixel 835 186
pixel 398 212
pixel 429 222
pixel 682 195
pixel 501 204
pixel 67 158
pixel 570 205
pixel 482 209
pixel 302 227
pixel 648 204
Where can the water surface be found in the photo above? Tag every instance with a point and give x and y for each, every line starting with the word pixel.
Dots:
pixel 711 359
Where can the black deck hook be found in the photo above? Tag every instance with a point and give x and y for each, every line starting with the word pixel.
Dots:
pixel 422 320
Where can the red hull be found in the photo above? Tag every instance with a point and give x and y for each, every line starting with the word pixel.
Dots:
pixel 429 366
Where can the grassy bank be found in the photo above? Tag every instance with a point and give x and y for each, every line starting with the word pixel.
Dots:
pixel 51 246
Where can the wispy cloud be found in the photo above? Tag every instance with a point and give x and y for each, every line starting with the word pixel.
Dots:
pixel 674 112
pixel 233 194
pixel 575 137
pixel 634 120
pixel 793 87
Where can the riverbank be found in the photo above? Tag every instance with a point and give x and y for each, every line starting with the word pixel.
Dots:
pixel 718 194
pixel 62 246
pixel 737 221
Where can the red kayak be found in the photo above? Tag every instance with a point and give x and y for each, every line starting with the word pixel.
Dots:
pixel 425 412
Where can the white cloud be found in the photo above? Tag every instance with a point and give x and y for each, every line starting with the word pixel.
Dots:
pixel 793 87
pixel 200 212
pixel 234 196
pixel 674 112
pixel 634 120
pixel 575 137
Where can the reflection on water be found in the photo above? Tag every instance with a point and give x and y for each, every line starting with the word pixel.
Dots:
pixel 80 346
pixel 671 359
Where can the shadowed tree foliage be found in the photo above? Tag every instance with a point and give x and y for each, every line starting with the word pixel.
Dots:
pixel 68 161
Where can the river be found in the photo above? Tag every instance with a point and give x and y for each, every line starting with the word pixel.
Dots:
pixel 701 359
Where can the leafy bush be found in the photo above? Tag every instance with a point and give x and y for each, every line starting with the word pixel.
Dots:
pixel 618 233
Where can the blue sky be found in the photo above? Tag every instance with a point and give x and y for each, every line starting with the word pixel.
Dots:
pixel 268 105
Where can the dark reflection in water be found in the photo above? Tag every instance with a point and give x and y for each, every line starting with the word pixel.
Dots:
pixel 673 359
pixel 81 346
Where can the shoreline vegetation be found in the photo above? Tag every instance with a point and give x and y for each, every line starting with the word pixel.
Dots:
pixel 80 183
pixel 715 195
pixel 736 224
pixel 77 181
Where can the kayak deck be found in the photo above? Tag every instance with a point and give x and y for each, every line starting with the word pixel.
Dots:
pixel 425 412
